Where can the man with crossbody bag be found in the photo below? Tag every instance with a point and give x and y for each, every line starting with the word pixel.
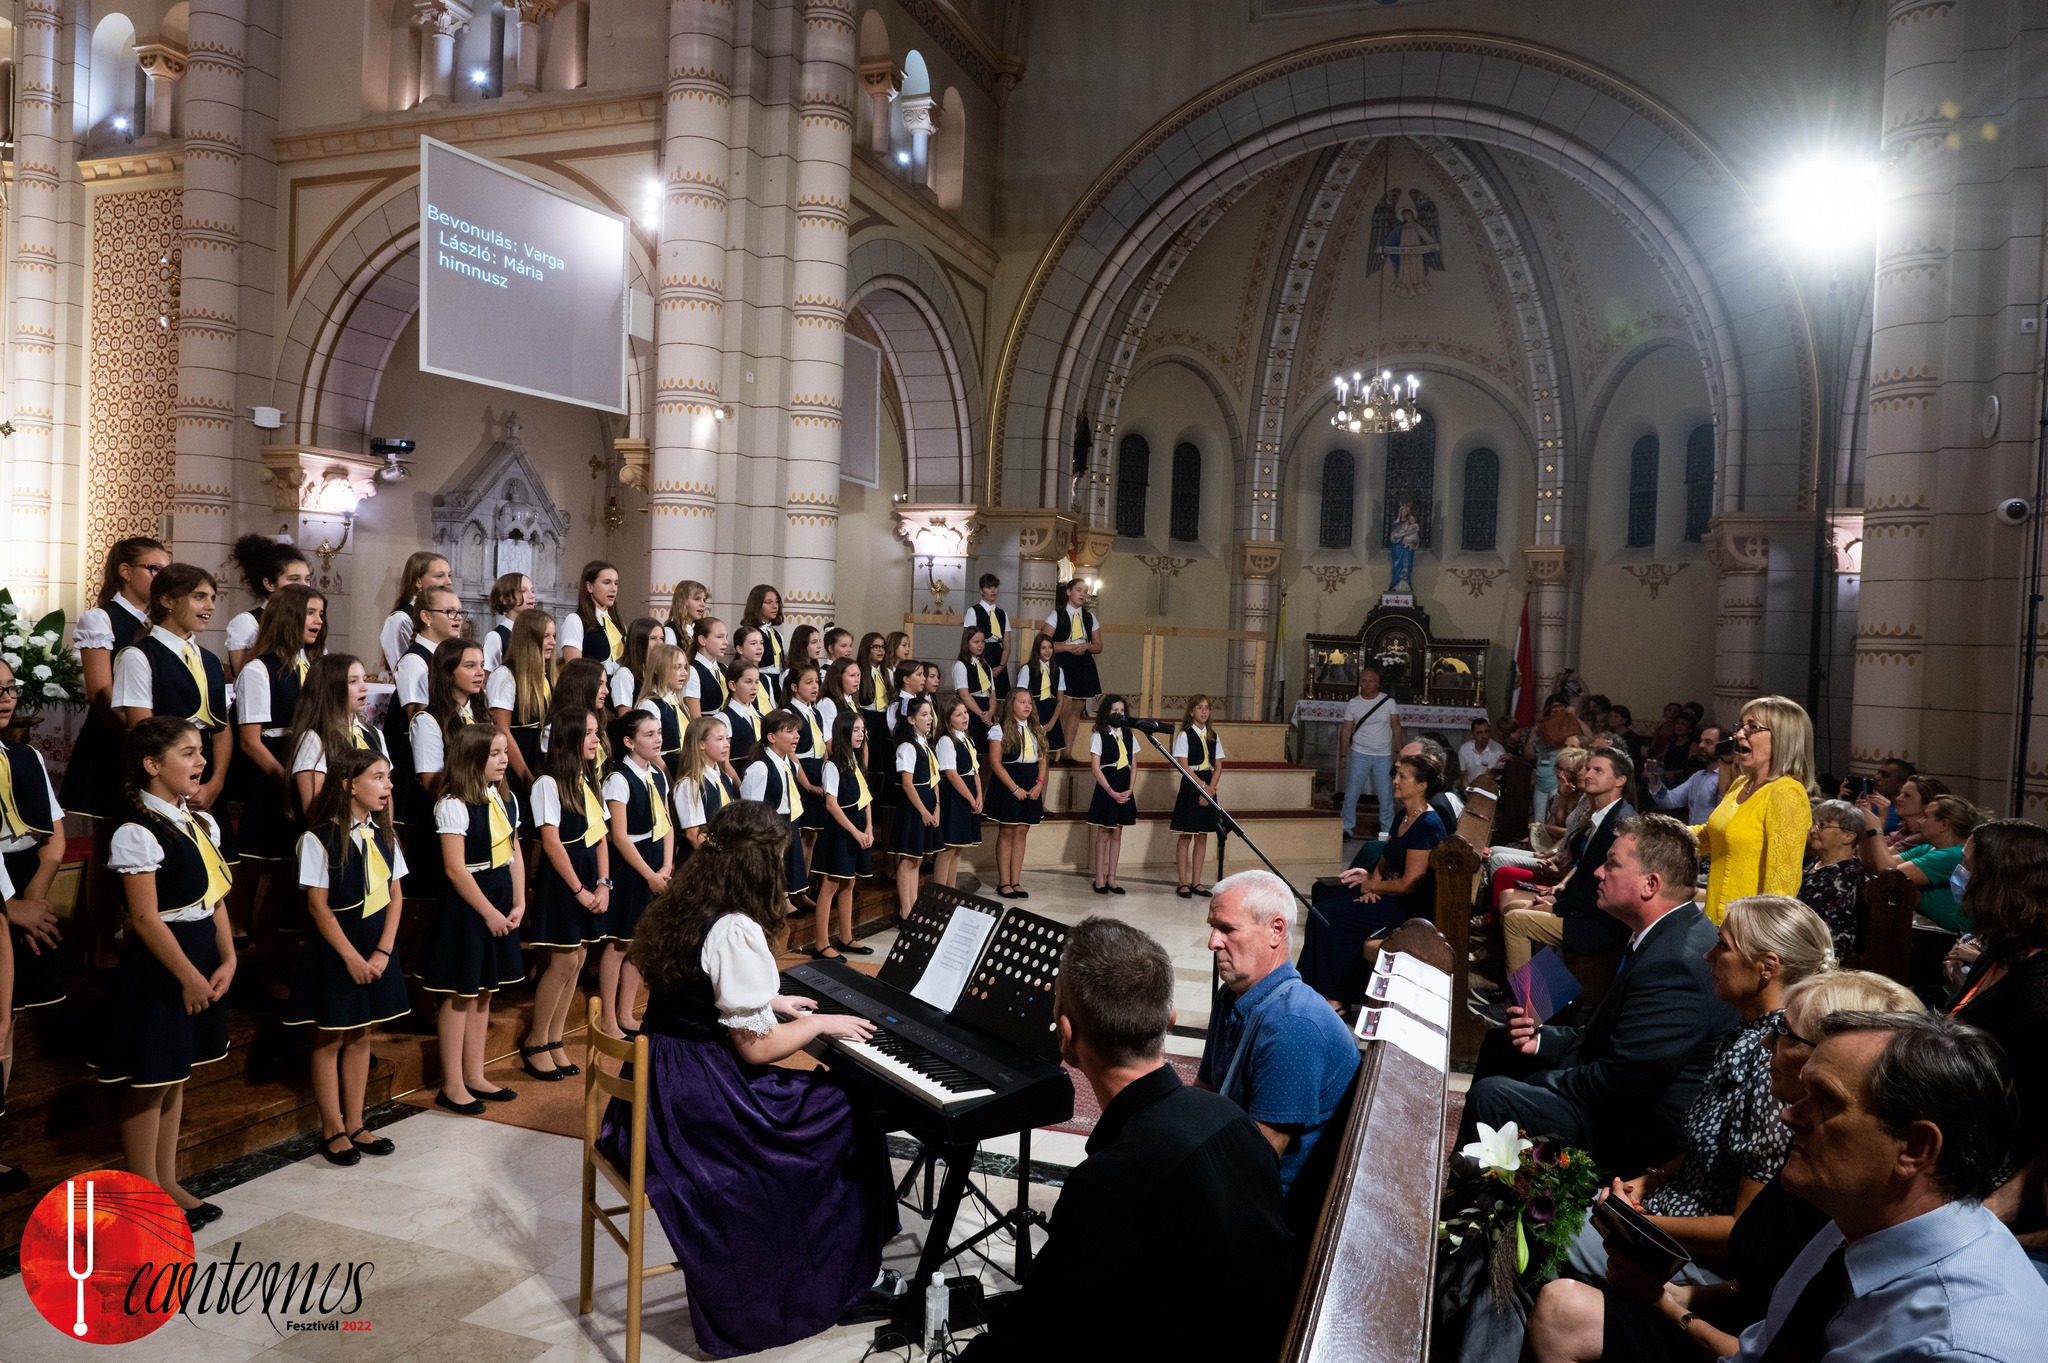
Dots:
pixel 1368 739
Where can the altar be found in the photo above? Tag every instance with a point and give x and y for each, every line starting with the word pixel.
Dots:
pixel 1439 683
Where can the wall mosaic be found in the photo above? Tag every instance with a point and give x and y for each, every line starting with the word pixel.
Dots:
pixel 132 368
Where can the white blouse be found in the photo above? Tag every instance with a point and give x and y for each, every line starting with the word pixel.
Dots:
pixel 133 683
pixel 622 687
pixel 395 638
pixel 544 803
pixel 741 968
pixel 452 816
pixel 754 784
pixel 252 694
pixel 501 691
pixel 313 868
pixel 963 679
pixel 242 630
pixel 616 791
pixel 494 651
pixel 412 680
pixel 96 629
pixel 906 756
pixel 429 745
pixel 134 851
pixel 1180 744
pixel 313 757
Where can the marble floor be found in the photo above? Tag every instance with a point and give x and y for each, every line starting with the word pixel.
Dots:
pixel 472 1225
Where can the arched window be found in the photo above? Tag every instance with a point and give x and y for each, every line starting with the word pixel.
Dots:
pixel 1480 517
pixel 1185 522
pixel 1642 494
pixel 1411 479
pixel 1699 482
pixel 1339 494
pixel 1133 466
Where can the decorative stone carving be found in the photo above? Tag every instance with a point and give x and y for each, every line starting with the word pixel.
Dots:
pixel 1655 576
pixel 1477 580
pixel 1550 565
pixel 1091 547
pixel 1732 550
pixel 1334 575
pixel 636 458
pixel 1259 559
pixel 499 519
pixel 944 530
pixel 1164 565
pixel 1044 536
pixel 305 479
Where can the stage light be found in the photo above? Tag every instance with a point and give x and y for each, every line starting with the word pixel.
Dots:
pixel 120 125
pixel 1827 207
pixel 479 78
pixel 902 158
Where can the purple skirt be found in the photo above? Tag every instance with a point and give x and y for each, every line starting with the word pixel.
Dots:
pixel 775 1197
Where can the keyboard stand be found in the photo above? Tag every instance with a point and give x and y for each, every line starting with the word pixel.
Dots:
pixel 952 1190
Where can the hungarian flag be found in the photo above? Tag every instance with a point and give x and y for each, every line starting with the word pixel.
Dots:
pixel 1522 674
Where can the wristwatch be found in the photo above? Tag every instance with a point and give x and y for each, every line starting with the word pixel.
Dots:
pixel 1685 1323
pixel 606 883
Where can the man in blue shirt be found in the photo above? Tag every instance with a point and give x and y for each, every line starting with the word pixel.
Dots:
pixel 1275 1048
pixel 1903 1130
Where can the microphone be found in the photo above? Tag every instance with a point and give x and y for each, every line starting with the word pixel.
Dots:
pixel 1150 726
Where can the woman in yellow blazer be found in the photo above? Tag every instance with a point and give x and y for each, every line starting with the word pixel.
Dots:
pixel 1756 837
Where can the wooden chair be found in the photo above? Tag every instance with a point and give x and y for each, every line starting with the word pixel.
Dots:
pixel 1889 903
pixel 631 1183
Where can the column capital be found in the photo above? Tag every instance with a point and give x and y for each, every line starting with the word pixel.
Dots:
pixel 881 76
pixel 1091 547
pixel 308 479
pixel 533 11
pixel 1740 541
pixel 161 60
pixel 636 459
pixel 920 113
pixel 1043 535
pixel 938 529
pixel 1550 565
pixel 1258 560
pixel 441 16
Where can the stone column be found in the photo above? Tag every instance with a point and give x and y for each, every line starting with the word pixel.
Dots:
pixel 1252 592
pixel 1550 593
pixel 439 22
pixel 210 244
pixel 163 64
pixel 880 80
pixel 817 353
pixel 1741 554
pixel 690 304
pixel 30 453
pixel 527 63
pixel 921 120
pixel 1043 539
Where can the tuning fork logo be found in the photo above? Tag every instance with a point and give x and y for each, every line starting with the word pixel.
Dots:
pixel 79 1326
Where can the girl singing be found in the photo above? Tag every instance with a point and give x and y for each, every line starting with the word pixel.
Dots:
pixel 1017 762
pixel 1112 809
pixel 917 834
pixel 266 564
pixel 687 604
pixel 511 596
pixel 661 695
pixel 592 632
pixel 741 715
pixel 974 682
pixel 643 858
pixel 1077 639
pixel 572 886
pixel 423 569
pixel 764 612
pixel 845 844
pixel 771 779
pixel 520 691
pixel 705 692
pixel 625 679
pixel 704 780
pixel 1040 676
pixel 814 719
pixel 961 794
pixel 31 852
pixel 1194 809
pixel 329 719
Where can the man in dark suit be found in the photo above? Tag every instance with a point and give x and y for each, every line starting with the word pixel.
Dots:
pixel 1171 1170
pixel 1570 915
pixel 1621 1084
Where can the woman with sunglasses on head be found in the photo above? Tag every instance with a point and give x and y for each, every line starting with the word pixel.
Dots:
pixel 1755 840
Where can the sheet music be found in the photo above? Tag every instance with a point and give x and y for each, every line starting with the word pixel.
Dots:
pixel 1398 1029
pixel 959 949
pixel 1421 972
pixel 1404 992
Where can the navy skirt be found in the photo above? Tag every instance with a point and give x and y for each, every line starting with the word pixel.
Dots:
pixel 426 869
pixel 773 1192
pixel 148 1039
pixel 1077 674
pixel 1107 813
pixel 270 826
pixel 913 837
pixel 326 996
pixel 630 893
pixel 796 877
pixel 1005 807
pixel 959 825
pixel 838 854
pixel 1190 812
pixel 553 917
pixel 1046 708
pixel 38 970
pixel 460 956
pixel 814 816
pixel 92 779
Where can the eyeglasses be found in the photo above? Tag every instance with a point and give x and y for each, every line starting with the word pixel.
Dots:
pixel 1750 726
pixel 443 610
pixel 1781 1030
pixel 10 690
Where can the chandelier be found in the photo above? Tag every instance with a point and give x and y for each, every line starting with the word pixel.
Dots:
pixel 1375 405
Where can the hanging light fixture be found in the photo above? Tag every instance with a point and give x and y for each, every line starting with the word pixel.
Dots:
pixel 1374 404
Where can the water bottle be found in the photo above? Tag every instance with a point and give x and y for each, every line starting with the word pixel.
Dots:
pixel 937 1299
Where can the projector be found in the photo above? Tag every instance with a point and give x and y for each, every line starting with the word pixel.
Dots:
pixel 393 449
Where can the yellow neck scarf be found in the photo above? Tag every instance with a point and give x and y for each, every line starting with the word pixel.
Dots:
pixel 1123 750
pixel 613 642
pixel 817 734
pixel 659 831
pixel 796 794
pixel 11 822
pixel 860 778
pixel 204 715
pixel 376 874
pixel 593 816
pixel 217 877
pixel 966 745
pixel 1045 682
pixel 501 832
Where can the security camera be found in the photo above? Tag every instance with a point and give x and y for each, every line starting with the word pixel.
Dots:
pixel 2015 510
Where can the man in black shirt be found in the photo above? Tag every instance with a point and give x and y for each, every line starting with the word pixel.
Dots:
pixel 1175 1177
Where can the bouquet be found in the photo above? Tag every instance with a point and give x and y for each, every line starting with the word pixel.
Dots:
pixel 48 673
pixel 1517 1206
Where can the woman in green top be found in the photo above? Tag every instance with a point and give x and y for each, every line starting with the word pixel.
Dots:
pixel 1931 863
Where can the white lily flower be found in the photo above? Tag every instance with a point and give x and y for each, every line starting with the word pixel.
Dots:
pixel 55 692
pixel 41 672
pixel 1498 1149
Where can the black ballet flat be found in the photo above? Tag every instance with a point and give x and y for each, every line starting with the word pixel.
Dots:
pixel 1204 893
pixel 1184 891
pixel 563 1066
pixel 205 1214
pixel 852 948
pixel 496 1095
pixel 469 1109
pixel 1102 889
pixel 376 1145
pixel 815 953
pixel 526 1063
pixel 342 1157
pixel 1116 889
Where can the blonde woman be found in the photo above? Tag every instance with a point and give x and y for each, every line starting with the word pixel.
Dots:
pixel 1755 840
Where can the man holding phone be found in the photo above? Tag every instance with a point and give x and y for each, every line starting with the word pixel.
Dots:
pixel 1700 792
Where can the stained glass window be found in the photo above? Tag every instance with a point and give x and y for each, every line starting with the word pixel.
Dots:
pixel 1133 464
pixel 1642 494
pixel 1699 482
pixel 1480 519
pixel 1340 492
pixel 1185 521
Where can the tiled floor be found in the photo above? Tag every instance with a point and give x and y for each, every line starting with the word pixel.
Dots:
pixel 472 1226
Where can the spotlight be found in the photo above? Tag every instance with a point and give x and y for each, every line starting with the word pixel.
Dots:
pixel 120 125
pixel 479 78
pixel 1827 207
pixel 902 158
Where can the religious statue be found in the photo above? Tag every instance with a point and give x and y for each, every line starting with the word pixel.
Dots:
pixel 1408 238
pixel 1403 541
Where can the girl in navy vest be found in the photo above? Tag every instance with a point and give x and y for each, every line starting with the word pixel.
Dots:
pixel 994 623
pixel 764 612
pixel 875 672
pixel 643 858
pixel 166 1013
pixel 423 569
pixel 455 701
pixel 92 779
pixel 705 692
pixel 750 648
pixel 512 595
pixel 521 691
pixel 1194 809
pixel 813 736
pixel 347 979
pixel 689 602
pixel 741 714
pixel 266 565
pixel 704 781
pixel 1112 808
pixel 294 631
pixel 328 720
pixel 841 690
pixel 806 645
pixel 472 941
pixel 592 632
pixel 1077 639
pixel 917 834
pixel 572 886
pixel 660 694
pixel 974 682
pixel 1017 761
pixel 962 788
pixel 771 779
pixel 166 672
pixel 437 617
pixel 641 634
pixel 1040 678
pixel 31 850
pixel 846 843
pixel 581 682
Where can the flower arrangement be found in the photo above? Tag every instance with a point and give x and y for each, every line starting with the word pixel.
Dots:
pixel 48 673
pixel 1519 1203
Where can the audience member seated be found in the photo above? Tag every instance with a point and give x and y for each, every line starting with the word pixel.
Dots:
pixel 2005 995
pixel 1400 887
pixel 1695 797
pixel 1274 1048
pixel 1832 883
pixel 1890 778
pixel 1900 1135
pixel 1570 915
pixel 1622 1084
pixel 1169 1168
pixel 1734 1142
pixel 1933 862
pixel 1506 868
pixel 1448 804
pixel 1558 730
pixel 1900 814
pixel 1634 1318
pixel 1479 756
pixel 1755 840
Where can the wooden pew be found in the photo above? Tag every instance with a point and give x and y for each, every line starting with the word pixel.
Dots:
pixel 1457 864
pixel 1371 1272
pixel 1889 902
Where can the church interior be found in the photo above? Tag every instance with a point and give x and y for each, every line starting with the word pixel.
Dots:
pixel 1606 404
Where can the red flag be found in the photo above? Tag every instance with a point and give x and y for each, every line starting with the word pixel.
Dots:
pixel 1522 674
